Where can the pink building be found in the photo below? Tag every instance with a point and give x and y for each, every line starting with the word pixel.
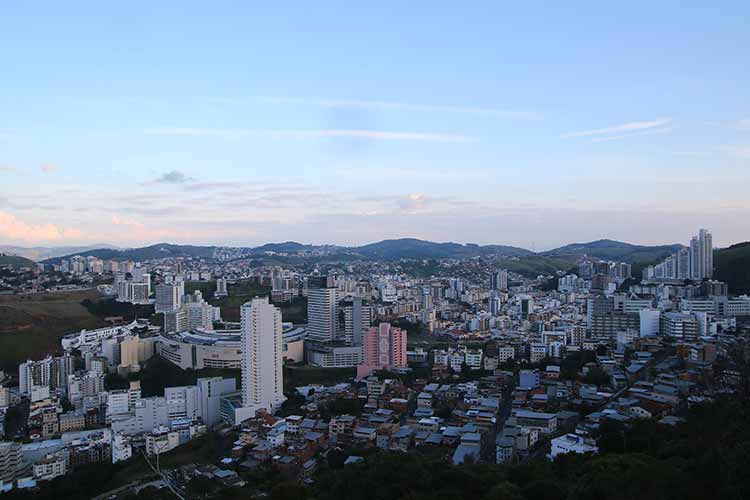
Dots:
pixel 383 348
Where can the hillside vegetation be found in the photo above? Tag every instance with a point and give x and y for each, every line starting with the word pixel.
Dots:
pixel 732 265
pixel 16 262
pixel 31 325
pixel 613 250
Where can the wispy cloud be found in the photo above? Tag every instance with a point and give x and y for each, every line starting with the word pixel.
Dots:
pixel 313 134
pixel 744 124
pixel 48 168
pixel 124 221
pixel 401 106
pixel 655 131
pixel 7 168
pixel 620 129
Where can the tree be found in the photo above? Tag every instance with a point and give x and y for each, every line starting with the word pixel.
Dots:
pixel 597 376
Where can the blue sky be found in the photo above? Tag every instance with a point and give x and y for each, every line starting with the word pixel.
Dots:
pixel 331 122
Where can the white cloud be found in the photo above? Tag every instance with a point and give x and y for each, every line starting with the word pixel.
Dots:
pixel 412 203
pixel 124 221
pixel 313 134
pixel 14 229
pixel 615 129
pixel 655 131
pixel 7 168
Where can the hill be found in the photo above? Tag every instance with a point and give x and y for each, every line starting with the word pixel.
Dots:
pixel 411 248
pixel 31 325
pixel 42 253
pixel 15 261
pixel 158 251
pixel 613 250
pixel 285 247
pixel 732 264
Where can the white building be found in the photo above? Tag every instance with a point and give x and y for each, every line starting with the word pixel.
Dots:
pixel 200 314
pixel 571 443
pixel 650 321
pixel 262 361
pixel 52 466
pixel 121 448
pixel 221 288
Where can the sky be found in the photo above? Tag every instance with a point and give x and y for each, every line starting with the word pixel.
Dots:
pixel 533 124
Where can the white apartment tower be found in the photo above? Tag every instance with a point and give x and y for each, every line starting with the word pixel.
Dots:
pixel 262 361
pixel 701 256
pixel 499 280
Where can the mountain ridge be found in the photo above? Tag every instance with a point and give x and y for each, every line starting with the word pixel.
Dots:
pixel 398 248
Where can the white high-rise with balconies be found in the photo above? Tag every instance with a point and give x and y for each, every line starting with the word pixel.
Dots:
pixel 701 256
pixel 262 361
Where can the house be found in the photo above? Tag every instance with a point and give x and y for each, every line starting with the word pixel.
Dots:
pixel 571 443
pixel 505 449
pixel 544 422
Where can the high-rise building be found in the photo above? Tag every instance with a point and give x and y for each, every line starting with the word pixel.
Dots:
pixel 701 256
pixel 526 305
pixel 495 304
pixel 357 320
pixel 384 348
pixel 200 314
pixel 49 372
pixel 499 280
pixel 12 464
pixel 221 288
pixel 262 360
pixel 168 297
pixel 175 321
pixel 321 312
pixel 649 322
pixel 426 298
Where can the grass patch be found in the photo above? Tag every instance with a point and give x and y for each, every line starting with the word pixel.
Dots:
pixel 31 325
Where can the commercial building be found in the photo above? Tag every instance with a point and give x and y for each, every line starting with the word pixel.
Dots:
pixel 332 354
pixel 197 349
pixel 321 314
pixel 168 297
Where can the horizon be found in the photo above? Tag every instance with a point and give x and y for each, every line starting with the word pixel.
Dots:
pixel 236 125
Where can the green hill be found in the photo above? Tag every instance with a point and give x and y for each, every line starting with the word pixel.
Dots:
pixel 613 250
pixel 732 264
pixel 158 251
pixel 412 248
pixel 16 262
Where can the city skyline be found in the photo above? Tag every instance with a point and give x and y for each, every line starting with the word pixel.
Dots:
pixel 532 128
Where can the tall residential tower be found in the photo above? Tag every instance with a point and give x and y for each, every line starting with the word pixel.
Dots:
pixel 262 360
